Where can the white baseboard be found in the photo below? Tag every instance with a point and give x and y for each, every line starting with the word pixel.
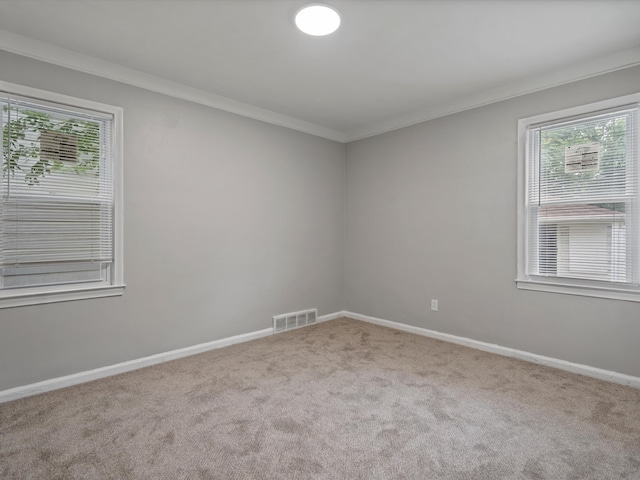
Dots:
pixel 331 316
pixel 598 373
pixel 87 376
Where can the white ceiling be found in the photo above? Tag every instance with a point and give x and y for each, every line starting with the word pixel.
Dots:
pixel 392 63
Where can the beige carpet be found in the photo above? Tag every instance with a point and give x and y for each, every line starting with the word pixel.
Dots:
pixel 339 400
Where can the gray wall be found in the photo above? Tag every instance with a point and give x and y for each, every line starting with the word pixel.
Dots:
pixel 431 213
pixel 228 221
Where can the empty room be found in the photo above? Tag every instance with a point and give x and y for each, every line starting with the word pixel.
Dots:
pixel 355 239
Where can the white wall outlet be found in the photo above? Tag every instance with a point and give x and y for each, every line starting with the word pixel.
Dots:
pixel 434 305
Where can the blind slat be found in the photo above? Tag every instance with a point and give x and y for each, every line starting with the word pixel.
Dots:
pixel 583 198
pixel 56 194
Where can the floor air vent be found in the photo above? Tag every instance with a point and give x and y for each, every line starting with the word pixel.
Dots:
pixel 288 321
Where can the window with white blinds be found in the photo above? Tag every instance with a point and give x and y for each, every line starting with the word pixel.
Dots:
pixel 578 209
pixel 59 198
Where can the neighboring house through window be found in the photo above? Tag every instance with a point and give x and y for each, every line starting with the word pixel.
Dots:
pixel 60 211
pixel 578 202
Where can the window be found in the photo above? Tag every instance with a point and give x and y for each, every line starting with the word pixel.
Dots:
pixel 60 194
pixel 578 201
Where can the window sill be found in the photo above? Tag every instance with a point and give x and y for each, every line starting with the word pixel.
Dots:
pixel 583 290
pixel 58 293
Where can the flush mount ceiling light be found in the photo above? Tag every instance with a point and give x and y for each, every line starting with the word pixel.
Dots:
pixel 317 20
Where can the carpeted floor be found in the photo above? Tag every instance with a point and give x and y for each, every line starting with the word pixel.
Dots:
pixel 338 400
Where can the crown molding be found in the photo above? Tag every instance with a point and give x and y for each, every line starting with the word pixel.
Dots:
pixel 45 52
pixel 29 47
pixel 572 73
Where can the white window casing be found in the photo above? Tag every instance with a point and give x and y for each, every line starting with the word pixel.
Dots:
pixel 61 198
pixel 579 201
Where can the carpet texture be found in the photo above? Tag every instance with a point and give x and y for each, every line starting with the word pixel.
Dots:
pixel 338 400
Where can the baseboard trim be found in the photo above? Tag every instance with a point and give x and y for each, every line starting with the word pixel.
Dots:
pixel 102 372
pixel 331 316
pixel 586 370
pixel 89 375
pixel 95 374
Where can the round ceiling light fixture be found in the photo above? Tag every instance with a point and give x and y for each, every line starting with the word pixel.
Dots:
pixel 317 19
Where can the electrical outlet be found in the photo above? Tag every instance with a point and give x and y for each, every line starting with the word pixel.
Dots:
pixel 434 305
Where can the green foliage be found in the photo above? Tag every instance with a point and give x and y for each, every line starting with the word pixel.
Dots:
pixel 610 133
pixel 22 150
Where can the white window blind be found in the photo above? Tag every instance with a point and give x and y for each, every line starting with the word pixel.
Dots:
pixel 57 194
pixel 582 217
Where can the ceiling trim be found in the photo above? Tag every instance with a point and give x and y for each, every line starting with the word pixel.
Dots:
pixel 599 66
pixel 29 47
pixel 45 52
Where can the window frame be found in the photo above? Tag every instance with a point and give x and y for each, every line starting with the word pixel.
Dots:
pixel 526 281
pixel 114 285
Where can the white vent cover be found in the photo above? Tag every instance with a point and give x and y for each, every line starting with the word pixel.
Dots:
pixel 287 321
